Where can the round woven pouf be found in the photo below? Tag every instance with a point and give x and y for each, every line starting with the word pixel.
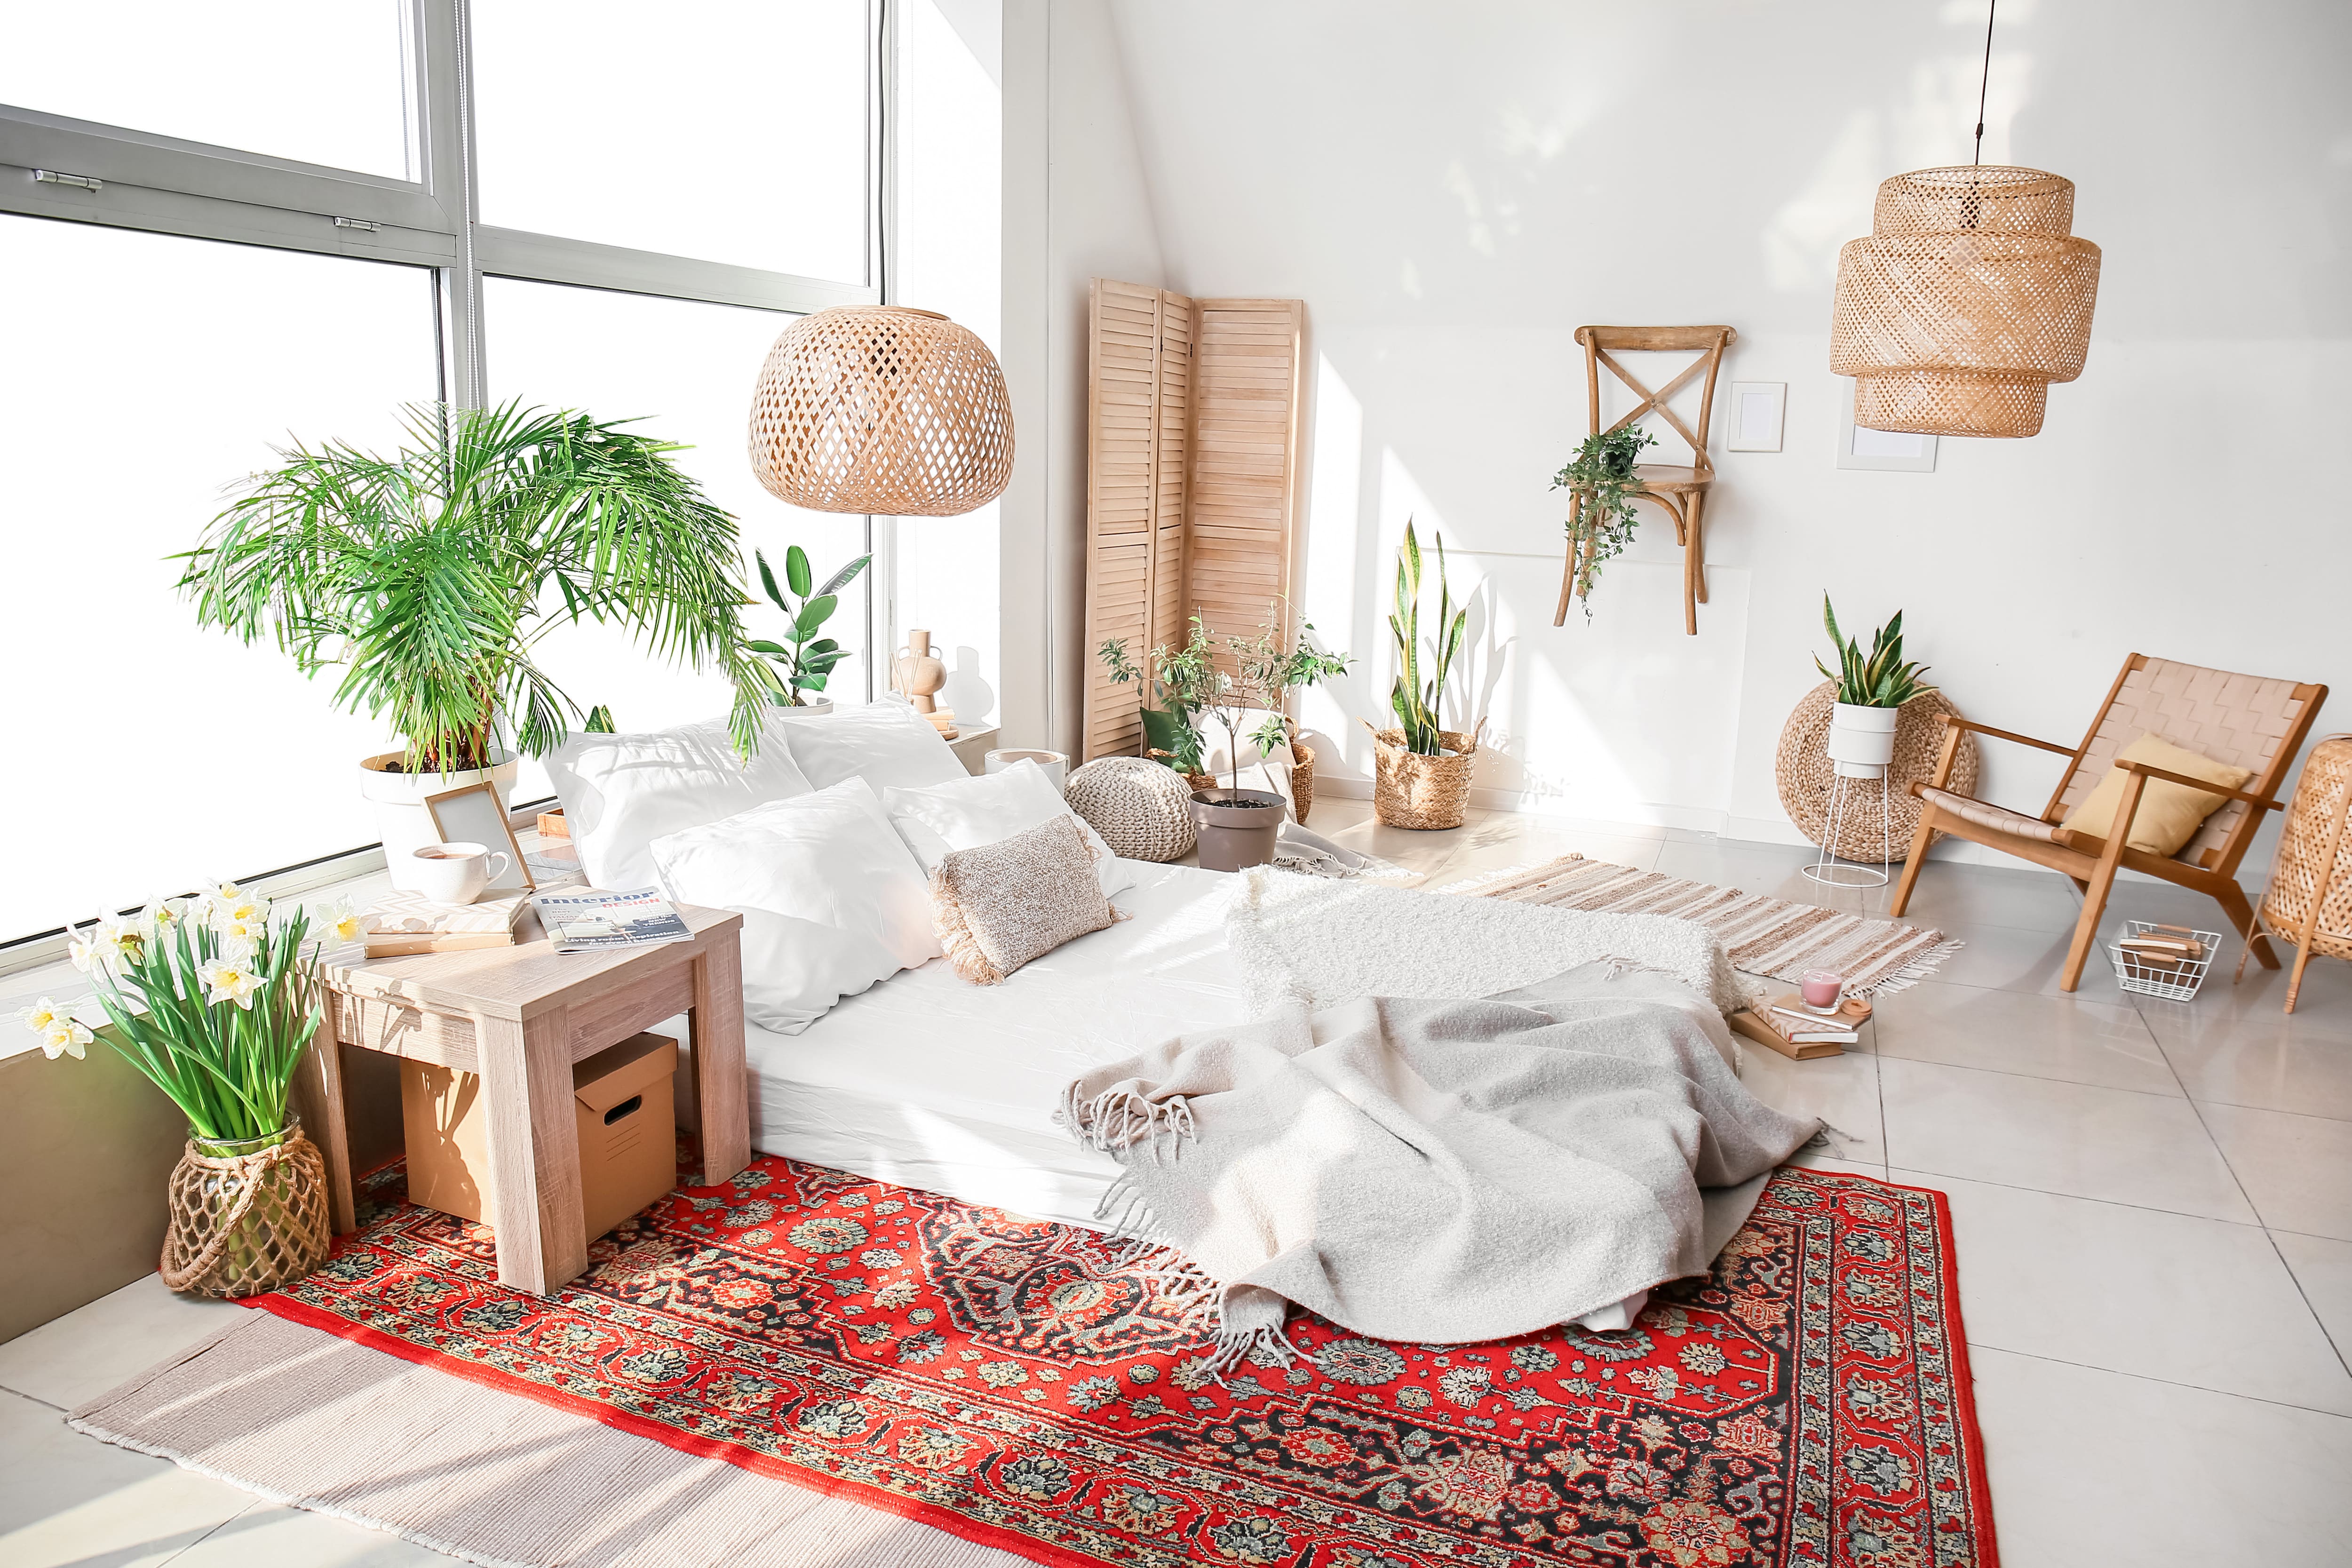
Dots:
pixel 1143 811
pixel 1803 769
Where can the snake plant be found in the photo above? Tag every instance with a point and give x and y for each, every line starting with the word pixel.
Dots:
pixel 1417 701
pixel 1884 679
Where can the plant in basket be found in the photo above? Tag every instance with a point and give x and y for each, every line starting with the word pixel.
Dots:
pixel 1422 769
pixel 213 999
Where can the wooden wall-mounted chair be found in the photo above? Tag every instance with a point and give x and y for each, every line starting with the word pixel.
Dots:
pixel 2243 720
pixel 1678 490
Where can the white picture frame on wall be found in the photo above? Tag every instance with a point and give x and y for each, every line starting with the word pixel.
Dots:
pixel 1888 451
pixel 1753 418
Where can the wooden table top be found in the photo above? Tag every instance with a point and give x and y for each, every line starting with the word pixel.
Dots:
pixel 518 982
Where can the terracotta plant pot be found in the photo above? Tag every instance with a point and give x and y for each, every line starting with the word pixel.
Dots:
pixel 1237 827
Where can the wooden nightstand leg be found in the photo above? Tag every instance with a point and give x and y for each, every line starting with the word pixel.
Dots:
pixel 534 1196
pixel 722 1079
pixel 318 1102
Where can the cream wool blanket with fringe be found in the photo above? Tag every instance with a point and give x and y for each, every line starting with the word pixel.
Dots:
pixel 1435 1171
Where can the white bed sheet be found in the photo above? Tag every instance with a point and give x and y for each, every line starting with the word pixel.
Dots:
pixel 933 1082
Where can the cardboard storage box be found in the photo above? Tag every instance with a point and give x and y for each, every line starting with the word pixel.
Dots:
pixel 620 1100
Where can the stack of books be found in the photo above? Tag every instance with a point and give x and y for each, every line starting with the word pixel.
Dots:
pixel 1795 1030
pixel 401 923
pixel 2161 947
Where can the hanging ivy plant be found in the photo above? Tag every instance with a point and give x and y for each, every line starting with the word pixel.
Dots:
pixel 1601 484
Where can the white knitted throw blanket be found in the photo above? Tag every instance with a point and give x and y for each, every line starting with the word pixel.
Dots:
pixel 1432 1171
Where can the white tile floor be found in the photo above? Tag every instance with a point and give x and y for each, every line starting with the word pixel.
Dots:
pixel 2152 1203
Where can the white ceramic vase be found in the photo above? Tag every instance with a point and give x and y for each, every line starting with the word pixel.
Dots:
pixel 402 820
pixel 1055 764
pixel 1862 740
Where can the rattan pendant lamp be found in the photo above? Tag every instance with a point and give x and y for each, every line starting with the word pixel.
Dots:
pixel 882 409
pixel 1970 295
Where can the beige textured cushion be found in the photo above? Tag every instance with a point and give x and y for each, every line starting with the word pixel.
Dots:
pixel 999 905
pixel 2168 814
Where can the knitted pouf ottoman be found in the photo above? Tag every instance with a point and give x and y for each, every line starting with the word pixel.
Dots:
pixel 1143 811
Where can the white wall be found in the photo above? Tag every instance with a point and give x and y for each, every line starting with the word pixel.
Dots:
pixel 1076 208
pixel 1453 190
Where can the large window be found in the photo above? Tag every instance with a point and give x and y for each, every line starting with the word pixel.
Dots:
pixel 228 228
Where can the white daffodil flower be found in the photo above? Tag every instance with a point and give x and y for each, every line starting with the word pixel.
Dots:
pixel 84 949
pixel 230 909
pixel 229 981
pixel 65 1036
pixel 120 938
pixel 160 917
pixel 237 945
pixel 41 1014
pixel 337 922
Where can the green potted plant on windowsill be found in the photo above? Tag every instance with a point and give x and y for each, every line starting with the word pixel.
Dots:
pixel 428 577
pixel 804 660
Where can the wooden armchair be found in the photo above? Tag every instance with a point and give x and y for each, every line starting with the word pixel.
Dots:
pixel 2238 719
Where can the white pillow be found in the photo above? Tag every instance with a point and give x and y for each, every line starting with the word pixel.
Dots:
pixel 969 812
pixel 832 903
pixel 620 793
pixel 888 744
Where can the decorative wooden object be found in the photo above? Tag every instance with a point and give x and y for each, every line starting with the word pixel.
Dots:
pixel 1139 441
pixel 1679 491
pixel 882 409
pixel 2308 903
pixel 1802 770
pixel 1968 299
pixel 917 675
pixel 520 1017
pixel 1191 481
pixel 2243 720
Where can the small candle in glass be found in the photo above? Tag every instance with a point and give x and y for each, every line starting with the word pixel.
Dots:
pixel 1821 990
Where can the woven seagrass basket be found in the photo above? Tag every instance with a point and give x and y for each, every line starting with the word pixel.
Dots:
pixel 246 1221
pixel 1302 780
pixel 1410 790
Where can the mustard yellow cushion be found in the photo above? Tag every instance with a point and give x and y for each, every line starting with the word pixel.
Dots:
pixel 2169 814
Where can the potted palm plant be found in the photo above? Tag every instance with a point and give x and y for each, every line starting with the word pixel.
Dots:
pixel 214 1001
pixel 1421 772
pixel 428 577
pixel 1871 692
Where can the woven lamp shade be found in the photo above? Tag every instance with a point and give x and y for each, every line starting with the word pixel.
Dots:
pixel 1970 295
pixel 883 409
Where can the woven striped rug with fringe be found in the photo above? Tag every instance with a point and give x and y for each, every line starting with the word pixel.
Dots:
pixel 1777 937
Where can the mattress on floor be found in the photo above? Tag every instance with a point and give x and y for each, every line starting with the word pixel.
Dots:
pixel 931 1081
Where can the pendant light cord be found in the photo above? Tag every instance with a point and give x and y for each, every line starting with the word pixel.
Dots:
pixel 1984 83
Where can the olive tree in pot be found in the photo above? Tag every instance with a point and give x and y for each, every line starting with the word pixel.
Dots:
pixel 429 577
pixel 1871 692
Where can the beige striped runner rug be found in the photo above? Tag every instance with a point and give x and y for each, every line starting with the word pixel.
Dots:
pixel 1764 935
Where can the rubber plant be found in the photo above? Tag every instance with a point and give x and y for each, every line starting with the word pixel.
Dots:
pixel 1417 701
pixel 1882 678
pixel 804 660
pixel 430 576
pixel 1601 483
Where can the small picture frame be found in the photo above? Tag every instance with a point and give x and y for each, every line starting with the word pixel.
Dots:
pixel 477 814
pixel 1753 417
pixel 1888 451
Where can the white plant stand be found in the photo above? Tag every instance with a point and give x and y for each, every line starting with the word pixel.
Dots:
pixel 1831 872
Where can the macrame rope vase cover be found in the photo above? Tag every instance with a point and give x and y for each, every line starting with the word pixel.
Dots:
pixel 246 1217
pixel 1970 295
pixel 882 409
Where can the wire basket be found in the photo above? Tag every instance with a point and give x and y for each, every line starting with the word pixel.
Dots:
pixel 2176 981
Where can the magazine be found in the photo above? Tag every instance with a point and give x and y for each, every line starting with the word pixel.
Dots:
pixel 596 922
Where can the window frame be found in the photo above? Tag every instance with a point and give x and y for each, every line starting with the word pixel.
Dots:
pixel 169 185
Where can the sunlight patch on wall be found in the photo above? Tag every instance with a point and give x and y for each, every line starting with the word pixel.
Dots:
pixel 1328 598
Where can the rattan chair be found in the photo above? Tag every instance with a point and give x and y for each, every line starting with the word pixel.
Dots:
pixel 2243 720
pixel 1679 491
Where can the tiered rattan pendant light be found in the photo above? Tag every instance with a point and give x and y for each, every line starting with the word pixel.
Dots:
pixel 1970 295
pixel 882 409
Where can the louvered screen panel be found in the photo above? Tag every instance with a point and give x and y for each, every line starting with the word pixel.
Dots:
pixel 1173 470
pixel 1122 457
pixel 1244 447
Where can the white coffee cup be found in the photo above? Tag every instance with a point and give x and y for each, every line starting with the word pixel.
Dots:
pixel 457 873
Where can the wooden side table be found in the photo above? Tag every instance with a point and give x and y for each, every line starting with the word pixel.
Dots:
pixel 520 1017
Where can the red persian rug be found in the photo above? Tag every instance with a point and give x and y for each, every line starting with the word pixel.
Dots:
pixel 1009 1380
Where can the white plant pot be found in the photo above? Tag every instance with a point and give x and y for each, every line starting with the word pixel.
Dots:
pixel 1862 740
pixel 808 708
pixel 402 820
pixel 1055 763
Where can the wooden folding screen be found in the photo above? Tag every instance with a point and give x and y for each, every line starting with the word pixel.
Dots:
pixel 1192 482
